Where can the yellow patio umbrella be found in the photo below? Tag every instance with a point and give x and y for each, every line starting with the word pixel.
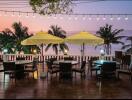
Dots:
pixel 42 38
pixel 84 38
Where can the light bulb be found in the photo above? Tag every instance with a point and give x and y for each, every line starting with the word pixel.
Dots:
pixel 118 18
pixel 76 18
pixel 84 18
pixel 104 18
pixel 97 18
pixel 126 18
pixel 90 18
pixel 111 18
pixel 69 18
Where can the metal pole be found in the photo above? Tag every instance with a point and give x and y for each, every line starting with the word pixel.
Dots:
pixel 42 58
pixel 82 52
pixel 131 46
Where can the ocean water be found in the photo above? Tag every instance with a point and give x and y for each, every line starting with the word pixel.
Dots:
pixel 90 50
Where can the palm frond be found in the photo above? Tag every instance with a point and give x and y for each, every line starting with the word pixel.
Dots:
pixel 47 47
pixel 126 46
pixel 98 45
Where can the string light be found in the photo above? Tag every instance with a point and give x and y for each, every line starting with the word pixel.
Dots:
pixel 90 17
pixel 27 15
pixel 13 14
pixel 97 18
pixel 126 18
pixel 34 15
pixel 111 18
pixel 118 18
pixel 69 18
pixel 19 15
pixel 104 18
pixel 76 18
pixel 84 16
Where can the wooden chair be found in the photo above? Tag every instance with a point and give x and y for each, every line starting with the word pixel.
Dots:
pixel 65 70
pixel 107 70
pixel 118 57
pixel 80 70
pixel 31 68
pixel 126 67
pixel 9 69
pixel 51 70
pixel 92 67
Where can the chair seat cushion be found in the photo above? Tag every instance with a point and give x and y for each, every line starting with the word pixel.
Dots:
pixel 77 69
pixel 54 70
pixel 124 71
pixel 9 72
pixel 97 67
pixel 30 70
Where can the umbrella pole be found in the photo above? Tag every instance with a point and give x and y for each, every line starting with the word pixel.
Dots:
pixel 43 74
pixel 82 52
pixel 42 58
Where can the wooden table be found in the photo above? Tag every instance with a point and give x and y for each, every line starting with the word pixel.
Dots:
pixel 20 66
pixel 66 69
pixel 100 62
pixel 73 62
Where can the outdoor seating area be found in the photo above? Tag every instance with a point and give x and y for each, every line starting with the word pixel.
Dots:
pixel 71 76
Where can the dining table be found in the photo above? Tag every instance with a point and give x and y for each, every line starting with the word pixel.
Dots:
pixel 65 68
pixel 20 67
pixel 107 68
pixel 73 62
pixel 100 62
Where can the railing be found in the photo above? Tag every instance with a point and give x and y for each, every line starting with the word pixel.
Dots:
pixel 12 57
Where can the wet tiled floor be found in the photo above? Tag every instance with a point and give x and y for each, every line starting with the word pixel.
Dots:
pixel 77 88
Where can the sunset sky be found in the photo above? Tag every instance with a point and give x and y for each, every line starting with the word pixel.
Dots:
pixel 43 23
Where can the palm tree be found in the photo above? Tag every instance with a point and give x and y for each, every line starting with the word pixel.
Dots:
pixel 57 31
pixel 7 40
pixel 110 37
pixel 128 47
pixel 21 33
pixel 12 40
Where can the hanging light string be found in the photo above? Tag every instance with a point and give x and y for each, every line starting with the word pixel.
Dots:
pixel 89 16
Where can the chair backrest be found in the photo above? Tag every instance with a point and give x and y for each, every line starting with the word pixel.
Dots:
pixel 49 65
pixel 108 67
pixel 126 60
pixel 68 58
pixel 65 67
pixel 9 66
pixel 118 55
pixel 20 58
pixel 83 64
pixel 91 61
pixel 1 60
pixel 52 60
pixel 35 62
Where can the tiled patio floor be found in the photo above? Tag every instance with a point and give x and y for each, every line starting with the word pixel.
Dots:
pixel 77 88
